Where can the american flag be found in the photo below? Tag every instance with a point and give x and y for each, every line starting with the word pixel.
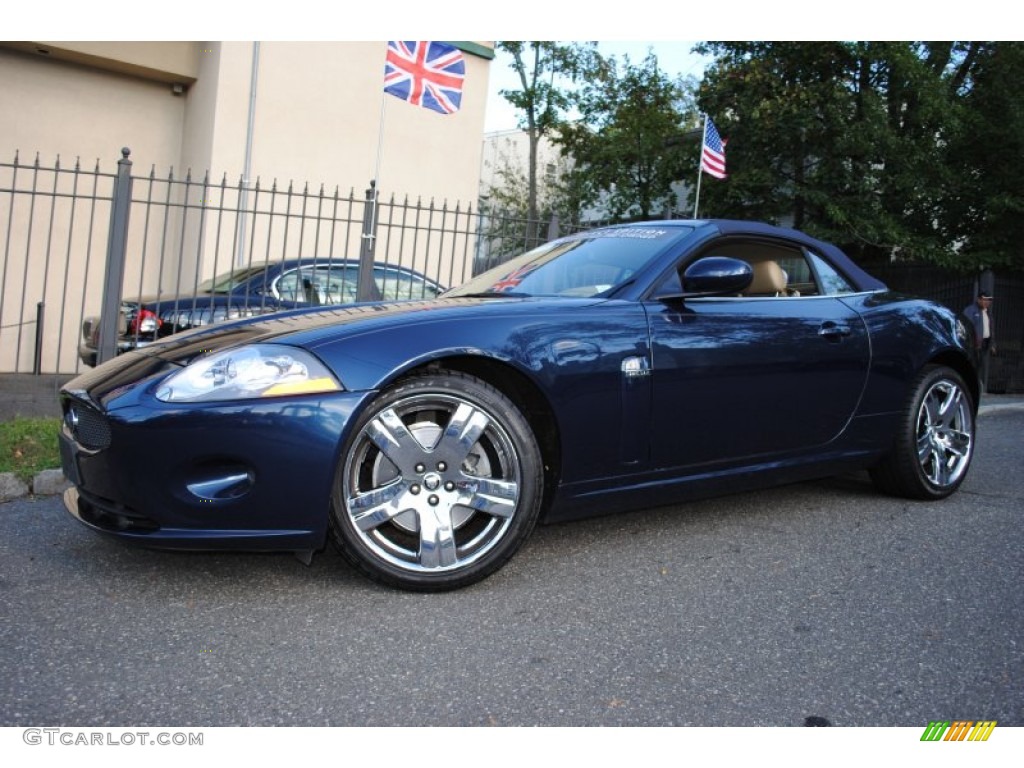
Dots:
pixel 426 74
pixel 712 155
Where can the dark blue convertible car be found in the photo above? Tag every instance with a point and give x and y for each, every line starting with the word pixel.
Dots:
pixel 617 368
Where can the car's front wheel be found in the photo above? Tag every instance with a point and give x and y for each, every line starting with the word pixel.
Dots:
pixel 439 484
pixel 935 442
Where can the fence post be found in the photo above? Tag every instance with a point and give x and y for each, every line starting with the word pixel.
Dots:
pixel 117 245
pixel 37 361
pixel 366 287
pixel 987 282
pixel 553 227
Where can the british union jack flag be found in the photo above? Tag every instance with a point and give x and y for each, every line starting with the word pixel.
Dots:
pixel 425 74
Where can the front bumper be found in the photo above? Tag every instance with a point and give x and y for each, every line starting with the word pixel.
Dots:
pixel 107 517
pixel 254 475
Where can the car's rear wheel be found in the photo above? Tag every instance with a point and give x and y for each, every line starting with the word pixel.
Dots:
pixel 935 443
pixel 439 484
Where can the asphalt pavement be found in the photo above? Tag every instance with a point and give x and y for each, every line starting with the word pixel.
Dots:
pixel 821 602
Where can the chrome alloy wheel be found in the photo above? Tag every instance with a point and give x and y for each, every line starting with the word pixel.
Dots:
pixel 432 483
pixel 945 429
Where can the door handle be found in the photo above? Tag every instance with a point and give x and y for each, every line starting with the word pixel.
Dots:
pixel 834 331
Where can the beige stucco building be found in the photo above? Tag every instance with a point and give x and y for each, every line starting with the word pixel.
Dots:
pixel 259 117
pixel 308 112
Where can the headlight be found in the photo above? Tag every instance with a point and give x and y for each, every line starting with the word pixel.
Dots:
pixel 260 370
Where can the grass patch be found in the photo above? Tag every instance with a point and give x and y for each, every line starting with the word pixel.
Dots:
pixel 28 446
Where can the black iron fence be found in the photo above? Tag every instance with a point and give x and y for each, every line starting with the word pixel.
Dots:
pixel 76 241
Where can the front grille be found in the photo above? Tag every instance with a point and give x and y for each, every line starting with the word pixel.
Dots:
pixel 88 426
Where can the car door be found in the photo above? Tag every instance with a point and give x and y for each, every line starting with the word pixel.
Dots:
pixel 762 374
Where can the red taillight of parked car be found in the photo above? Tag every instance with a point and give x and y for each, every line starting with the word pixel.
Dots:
pixel 145 321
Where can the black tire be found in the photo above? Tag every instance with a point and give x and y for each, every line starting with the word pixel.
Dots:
pixel 439 484
pixel 935 441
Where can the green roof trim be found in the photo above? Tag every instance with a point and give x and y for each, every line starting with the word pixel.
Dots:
pixel 468 46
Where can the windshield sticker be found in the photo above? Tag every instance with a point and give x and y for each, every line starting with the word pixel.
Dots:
pixel 628 233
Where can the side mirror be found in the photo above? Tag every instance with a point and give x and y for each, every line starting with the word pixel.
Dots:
pixel 716 276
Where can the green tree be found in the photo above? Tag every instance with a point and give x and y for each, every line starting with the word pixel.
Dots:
pixel 625 147
pixel 546 71
pixel 985 211
pixel 850 141
pixel 509 228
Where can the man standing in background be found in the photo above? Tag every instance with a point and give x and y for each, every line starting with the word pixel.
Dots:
pixel 980 315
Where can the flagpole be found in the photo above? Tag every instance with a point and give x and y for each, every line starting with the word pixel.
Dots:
pixel 380 154
pixel 366 287
pixel 700 163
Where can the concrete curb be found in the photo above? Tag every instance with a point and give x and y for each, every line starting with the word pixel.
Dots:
pixel 50 482
pixel 11 486
pixel 1000 408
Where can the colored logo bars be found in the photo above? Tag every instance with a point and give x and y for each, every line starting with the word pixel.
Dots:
pixel 958 730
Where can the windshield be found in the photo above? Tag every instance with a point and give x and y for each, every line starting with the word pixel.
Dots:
pixel 586 265
pixel 225 282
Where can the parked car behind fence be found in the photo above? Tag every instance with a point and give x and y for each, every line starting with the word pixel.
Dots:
pixel 253 290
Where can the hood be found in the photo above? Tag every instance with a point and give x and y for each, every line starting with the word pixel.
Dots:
pixel 305 328
pixel 297 327
pixel 309 326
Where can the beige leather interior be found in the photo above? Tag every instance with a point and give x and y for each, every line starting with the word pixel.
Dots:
pixel 769 280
